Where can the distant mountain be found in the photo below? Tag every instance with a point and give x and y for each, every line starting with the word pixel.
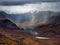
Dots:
pixel 2 14
pixel 39 17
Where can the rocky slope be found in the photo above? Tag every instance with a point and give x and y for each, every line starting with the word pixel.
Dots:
pixel 10 34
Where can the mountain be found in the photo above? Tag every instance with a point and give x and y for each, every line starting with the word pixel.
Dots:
pixel 2 15
pixel 39 18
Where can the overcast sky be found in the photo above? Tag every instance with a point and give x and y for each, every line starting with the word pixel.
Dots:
pixel 29 0
pixel 16 2
pixel 36 7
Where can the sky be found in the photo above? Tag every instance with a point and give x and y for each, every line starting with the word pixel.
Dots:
pixel 29 0
pixel 20 2
pixel 33 7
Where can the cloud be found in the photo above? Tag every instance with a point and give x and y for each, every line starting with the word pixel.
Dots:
pixel 21 2
pixel 34 7
pixel 30 0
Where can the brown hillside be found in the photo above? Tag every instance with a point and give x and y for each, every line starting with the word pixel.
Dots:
pixel 10 34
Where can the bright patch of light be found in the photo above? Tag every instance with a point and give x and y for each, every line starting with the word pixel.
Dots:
pixel 42 38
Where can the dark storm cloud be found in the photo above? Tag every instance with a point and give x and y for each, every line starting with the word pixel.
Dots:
pixel 21 2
